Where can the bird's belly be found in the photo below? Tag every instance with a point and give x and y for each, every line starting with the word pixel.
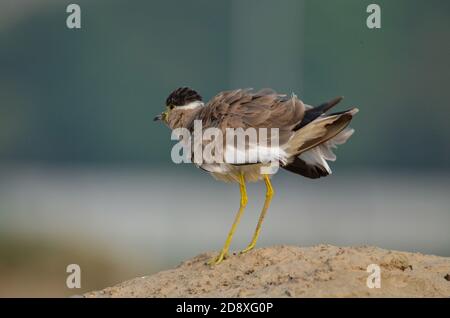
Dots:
pixel 230 173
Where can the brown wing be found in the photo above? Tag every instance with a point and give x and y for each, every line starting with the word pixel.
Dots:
pixel 243 108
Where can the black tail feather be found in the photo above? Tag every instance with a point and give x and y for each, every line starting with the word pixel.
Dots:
pixel 312 171
pixel 315 112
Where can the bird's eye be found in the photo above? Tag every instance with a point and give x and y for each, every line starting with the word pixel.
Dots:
pixel 171 107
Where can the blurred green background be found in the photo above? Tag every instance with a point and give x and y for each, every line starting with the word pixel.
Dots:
pixel 86 176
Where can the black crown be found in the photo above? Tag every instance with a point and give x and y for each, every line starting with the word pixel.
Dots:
pixel 182 96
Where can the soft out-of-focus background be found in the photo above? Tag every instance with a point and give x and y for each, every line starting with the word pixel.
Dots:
pixel 86 176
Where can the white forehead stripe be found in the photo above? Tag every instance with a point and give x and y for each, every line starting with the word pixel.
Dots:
pixel 192 105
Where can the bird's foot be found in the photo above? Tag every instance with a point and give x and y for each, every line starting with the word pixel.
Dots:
pixel 248 248
pixel 218 259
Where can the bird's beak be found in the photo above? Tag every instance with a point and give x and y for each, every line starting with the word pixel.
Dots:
pixel 162 117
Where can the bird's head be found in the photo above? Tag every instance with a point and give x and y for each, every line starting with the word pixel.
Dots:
pixel 180 101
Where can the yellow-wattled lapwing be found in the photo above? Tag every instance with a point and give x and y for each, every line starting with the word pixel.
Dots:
pixel 306 136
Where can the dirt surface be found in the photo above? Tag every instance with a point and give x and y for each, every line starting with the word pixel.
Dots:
pixel 290 271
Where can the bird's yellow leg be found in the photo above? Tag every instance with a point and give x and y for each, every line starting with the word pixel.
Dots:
pixel 224 253
pixel 269 195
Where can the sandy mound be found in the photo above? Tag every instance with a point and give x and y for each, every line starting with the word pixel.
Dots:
pixel 289 271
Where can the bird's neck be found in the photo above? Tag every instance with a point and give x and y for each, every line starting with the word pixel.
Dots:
pixel 182 117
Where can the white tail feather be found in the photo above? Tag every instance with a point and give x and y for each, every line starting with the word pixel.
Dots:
pixel 319 155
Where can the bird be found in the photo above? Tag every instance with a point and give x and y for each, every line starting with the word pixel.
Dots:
pixel 307 136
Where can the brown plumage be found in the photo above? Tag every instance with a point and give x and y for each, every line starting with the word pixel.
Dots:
pixel 301 127
pixel 243 108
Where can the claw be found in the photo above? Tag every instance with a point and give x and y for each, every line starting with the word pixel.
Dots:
pixel 218 259
pixel 247 249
